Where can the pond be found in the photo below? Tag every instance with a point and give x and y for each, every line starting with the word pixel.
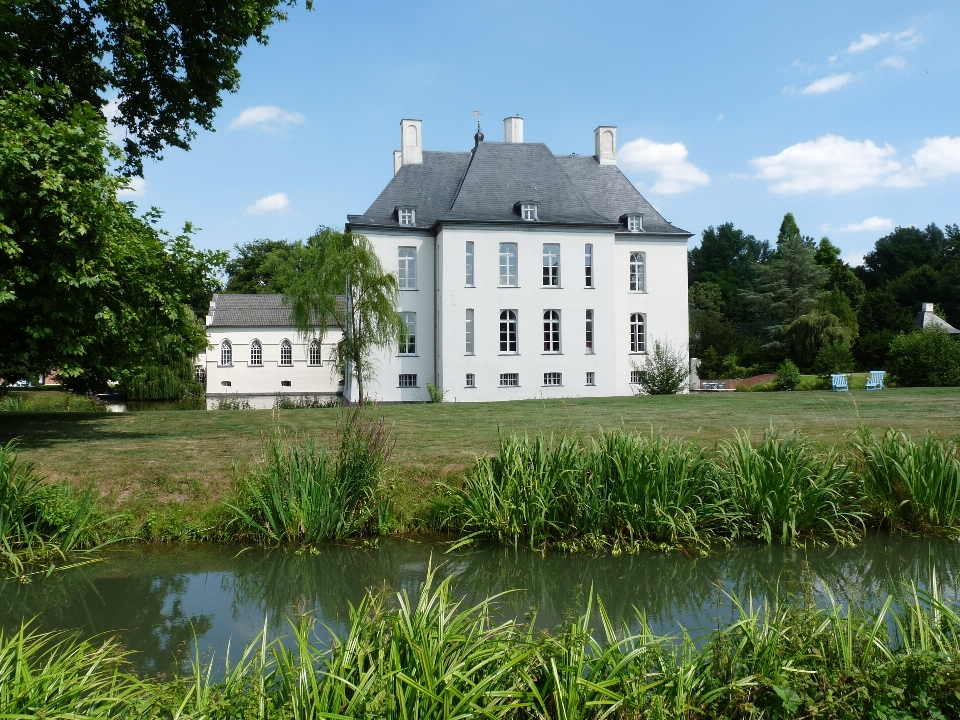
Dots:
pixel 161 597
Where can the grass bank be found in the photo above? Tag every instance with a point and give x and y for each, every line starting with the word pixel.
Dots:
pixel 430 657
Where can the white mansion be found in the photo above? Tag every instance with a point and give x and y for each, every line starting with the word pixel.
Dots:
pixel 523 274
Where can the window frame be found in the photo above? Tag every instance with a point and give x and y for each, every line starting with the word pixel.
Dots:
pixel 226 352
pixel 407 267
pixel 588 265
pixel 529 212
pixel 288 346
pixel 505 380
pixel 469 332
pixel 402 384
pixel 408 341
pixel 407 216
pixel 551 332
pixel 590 349
pixel 508 252
pixel 256 353
pixel 634 223
pixel 470 380
pixel 638 271
pixel 469 280
pixel 553 375
pixel 315 346
pixel 591 379
pixel 508 318
pixel 638 333
pixel 634 377
pixel 551 265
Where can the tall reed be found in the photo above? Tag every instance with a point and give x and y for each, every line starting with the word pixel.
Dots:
pixel 789 491
pixel 911 485
pixel 303 493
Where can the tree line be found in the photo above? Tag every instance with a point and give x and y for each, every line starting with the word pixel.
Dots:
pixel 754 305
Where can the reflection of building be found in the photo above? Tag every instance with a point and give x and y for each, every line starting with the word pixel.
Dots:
pixel 926 318
pixel 523 274
pixel 257 354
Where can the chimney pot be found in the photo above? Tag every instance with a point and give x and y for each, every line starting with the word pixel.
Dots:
pixel 513 129
pixel 411 142
pixel 605 143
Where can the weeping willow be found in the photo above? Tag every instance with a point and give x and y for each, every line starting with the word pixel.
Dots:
pixel 171 381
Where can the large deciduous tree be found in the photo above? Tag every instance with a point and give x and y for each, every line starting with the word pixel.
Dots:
pixel 337 280
pixel 260 267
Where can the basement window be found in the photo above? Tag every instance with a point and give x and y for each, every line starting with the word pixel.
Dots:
pixel 285 383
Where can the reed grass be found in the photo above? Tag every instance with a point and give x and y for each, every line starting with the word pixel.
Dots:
pixel 911 486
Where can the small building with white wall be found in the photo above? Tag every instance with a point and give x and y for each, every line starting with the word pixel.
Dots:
pixel 522 274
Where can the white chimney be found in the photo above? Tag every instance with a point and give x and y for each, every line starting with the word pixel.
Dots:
pixel 397 161
pixel 605 142
pixel 411 142
pixel 927 307
pixel 513 129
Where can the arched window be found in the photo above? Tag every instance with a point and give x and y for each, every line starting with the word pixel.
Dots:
pixel 508 331
pixel 638 280
pixel 226 353
pixel 638 339
pixel 551 331
pixel 314 356
pixel 256 354
pixel 286 353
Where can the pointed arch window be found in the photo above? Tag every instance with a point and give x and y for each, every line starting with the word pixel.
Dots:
pixel 226 353
pixel 256 354
pixel 314 354
pixel 286 353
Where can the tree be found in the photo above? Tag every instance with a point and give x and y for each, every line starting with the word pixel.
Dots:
pixel 260 267
pixel 338 280
pixel 166 63
pixel 85 285
pixel 929 357
pixel 665 372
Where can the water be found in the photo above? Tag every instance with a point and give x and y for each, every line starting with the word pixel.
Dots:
pixel 161 597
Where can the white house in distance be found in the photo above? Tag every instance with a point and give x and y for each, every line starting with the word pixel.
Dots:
pixel 523 274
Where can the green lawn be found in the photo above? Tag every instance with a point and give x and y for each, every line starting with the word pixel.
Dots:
pixel 141 459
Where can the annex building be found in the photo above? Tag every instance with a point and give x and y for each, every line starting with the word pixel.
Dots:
pixel 523 274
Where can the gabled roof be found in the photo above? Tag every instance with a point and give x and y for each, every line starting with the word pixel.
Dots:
pixel 227 310
pixel 485 185
pixel 928 319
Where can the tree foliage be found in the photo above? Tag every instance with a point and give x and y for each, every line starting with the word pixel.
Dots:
pixel 164 64
pixel 665 372
pixel 338 281
pixel 260 267
pixel 929 358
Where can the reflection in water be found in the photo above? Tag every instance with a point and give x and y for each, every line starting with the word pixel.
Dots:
pixel 160 596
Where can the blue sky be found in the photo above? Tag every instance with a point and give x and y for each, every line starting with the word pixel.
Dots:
pixel 845 113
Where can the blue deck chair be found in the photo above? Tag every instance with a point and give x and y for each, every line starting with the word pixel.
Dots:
pixel 839 383
pixel 876 380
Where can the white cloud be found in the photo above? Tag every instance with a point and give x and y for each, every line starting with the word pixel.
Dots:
pixel 270 203
pixel 938 158
pixel 829 163
pixel 668 160
pixel 894 61
pixel 904 39
pixel 830 82
pixel 136 186
pixel 871 224
pixel 835 164
pixel 853 259
pixel 266 116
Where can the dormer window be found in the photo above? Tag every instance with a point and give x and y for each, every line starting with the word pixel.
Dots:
pixel 528 211
pixel 635 223
pixel 407 215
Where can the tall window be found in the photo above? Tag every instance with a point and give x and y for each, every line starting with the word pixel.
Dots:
pixel 588 265
pixel 408 340
pixel 469 332
pixel 591 378
pixel 314 354
pixel 407 216
pixel 408 268
pixel 256 353
pixel 286 353
pixel 471 380
pixel 551 266
pixel 589 331
pixel 226 353
pixel 638 340
pixel 637 275
pixel 508 264
pixel 469 279
pixel 508 331
pixel 551 331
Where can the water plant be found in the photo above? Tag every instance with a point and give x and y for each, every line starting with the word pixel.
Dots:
pixel 303 493
pixel 787 490
pixel 909 485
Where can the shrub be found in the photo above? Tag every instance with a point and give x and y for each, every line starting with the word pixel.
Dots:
pixel 436 394
pixel 665 372
pixel 833 358
pixel 929 358
pixel 788 376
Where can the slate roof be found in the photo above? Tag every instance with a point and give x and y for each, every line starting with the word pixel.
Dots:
pixel 485 186
pixel 227 310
